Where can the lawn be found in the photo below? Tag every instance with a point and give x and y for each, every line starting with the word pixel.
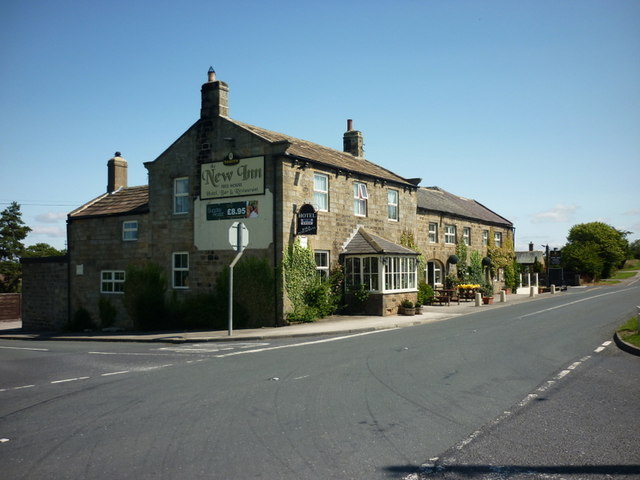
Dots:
pixel 629 332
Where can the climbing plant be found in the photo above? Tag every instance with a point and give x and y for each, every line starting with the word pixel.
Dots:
pixel 462 265
pixel 407 239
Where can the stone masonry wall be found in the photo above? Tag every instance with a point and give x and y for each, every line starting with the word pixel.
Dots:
pixel 45 298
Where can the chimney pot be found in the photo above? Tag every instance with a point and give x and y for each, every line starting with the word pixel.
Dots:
pixel 211 75
pixel 349 125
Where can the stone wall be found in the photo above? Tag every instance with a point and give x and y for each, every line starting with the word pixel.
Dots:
pixel 10 306
pixel 45 297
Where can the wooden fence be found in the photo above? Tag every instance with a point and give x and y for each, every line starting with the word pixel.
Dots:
pixel 10 306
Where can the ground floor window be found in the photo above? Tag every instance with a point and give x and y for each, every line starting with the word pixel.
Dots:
pixel 322 263
pixel 112 281
pixel 180 269
pixel 382 273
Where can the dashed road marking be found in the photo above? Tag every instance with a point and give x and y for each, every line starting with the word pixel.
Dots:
pixel 66 380
pixel 26 348
pixel 115 373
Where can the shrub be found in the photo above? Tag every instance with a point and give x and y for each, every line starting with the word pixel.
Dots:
pixel 81 321
pixel 425 293
pixel 107 312
pixel 144 296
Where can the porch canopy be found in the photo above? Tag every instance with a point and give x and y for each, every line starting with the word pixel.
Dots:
pixel 380 265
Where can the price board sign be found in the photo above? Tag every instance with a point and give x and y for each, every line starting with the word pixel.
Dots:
pixel 231 210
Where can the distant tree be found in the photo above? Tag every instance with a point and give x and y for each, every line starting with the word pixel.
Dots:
pixel 12 232
pixel 595 249
pixel 634 249
pixel 42 250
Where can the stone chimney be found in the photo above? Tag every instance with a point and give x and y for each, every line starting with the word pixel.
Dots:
pixel 215 97
pixel 116 173
pixel 352 141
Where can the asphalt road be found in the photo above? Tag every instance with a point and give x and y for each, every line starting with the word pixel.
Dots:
pixel 375 405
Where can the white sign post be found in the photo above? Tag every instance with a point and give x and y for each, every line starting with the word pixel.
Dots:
pixel 238 238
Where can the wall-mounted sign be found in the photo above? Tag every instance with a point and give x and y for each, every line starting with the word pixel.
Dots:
pixel 229 210
pixel 307 223
pixel 242 177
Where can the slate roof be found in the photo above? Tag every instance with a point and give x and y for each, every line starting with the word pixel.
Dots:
pixel 438 200
pixel 325 155
pixel 364 243
pixel 125 201
pixel 529 257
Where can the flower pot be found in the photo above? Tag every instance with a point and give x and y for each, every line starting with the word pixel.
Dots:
pixel 487 300
pixel 419 310
pixel 407 311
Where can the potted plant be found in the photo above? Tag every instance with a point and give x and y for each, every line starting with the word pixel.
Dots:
pixel 407 308
pixel 418 307
pixel 487 293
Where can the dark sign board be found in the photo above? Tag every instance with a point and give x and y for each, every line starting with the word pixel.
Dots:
pixel 230 210
pixel 554 257
pixel 307 223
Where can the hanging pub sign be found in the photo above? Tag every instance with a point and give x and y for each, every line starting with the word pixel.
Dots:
pixel 307 223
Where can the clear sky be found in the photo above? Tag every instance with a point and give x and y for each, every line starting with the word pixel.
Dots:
pixel 531 108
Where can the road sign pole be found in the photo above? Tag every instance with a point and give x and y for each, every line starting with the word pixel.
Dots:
pixel 240 249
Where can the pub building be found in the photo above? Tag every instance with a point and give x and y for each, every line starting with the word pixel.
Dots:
pixel 220 171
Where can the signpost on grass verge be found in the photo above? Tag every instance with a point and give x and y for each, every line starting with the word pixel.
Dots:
pixel 238 238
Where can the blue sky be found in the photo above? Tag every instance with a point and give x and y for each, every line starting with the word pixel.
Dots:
pixel 531 108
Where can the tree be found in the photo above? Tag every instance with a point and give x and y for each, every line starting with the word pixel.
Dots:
pixel 595 249
pixel 634 249
pixel 12 231
pixel 42 250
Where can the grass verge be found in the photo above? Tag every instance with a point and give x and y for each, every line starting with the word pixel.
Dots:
pixel 629 332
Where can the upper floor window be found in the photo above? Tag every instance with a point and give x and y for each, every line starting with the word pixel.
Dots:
pixel 181 195
pixel 322 263
pixel 180 270
pixel 466 235
pixel 450 234
pixel 392 205
pixel 112 281
pixel 433 232
pixel 130 230
pixel 321 191
pixel 485 238
pixel 360 197
pixel 497 239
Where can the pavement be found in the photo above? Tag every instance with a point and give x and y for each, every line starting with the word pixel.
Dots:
pixel 334 325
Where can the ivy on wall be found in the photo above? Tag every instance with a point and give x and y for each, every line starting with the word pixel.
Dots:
pixel 407 239
pixel 299 270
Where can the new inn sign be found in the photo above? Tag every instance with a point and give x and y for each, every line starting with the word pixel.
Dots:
pixel 236 178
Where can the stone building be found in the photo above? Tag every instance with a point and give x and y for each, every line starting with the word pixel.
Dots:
pixel 347 209
pixel 444 220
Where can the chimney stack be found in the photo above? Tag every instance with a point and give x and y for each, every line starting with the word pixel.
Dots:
pixel 353 141
pixel 531 246
pixel 215 97
pixel 116 173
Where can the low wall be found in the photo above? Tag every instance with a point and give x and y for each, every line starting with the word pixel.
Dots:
pixel 10 306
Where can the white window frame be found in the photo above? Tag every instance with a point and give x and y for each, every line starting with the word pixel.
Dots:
pixel 497 239
pixel 433 232
pixel 450 234
pixel 180 196
pixel 322 263
pixel 382 274
pixel 485 238
pixel 320 194
pixel 112 281
pixel 180 271
pixel 360 198
pixel 466 235
pixel 129 230
pixel 393 205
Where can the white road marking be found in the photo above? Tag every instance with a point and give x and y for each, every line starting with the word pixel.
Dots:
pixel 4 440
pixel 599 349
pixel 26 348
pixel 573 303
pixel 114 373
pixel 302 344
pixel 69 380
